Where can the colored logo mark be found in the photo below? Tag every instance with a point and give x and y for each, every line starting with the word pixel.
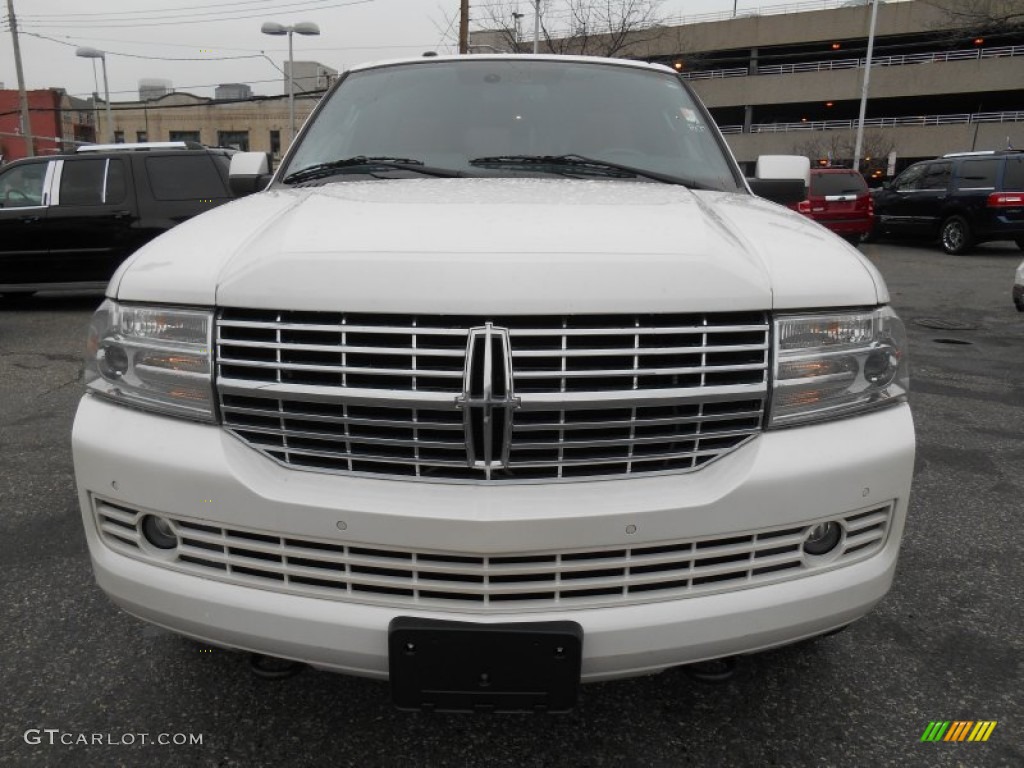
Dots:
pixel 959 730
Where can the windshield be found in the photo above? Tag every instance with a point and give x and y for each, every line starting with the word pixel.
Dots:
pixel 851 183
pixel 447 114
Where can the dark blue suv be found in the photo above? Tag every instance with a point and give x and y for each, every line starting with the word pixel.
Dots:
pixel 962 199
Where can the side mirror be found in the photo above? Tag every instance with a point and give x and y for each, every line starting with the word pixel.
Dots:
pixel 783 179
pixel 249 172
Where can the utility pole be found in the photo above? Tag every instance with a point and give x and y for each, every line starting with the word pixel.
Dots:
pixel 464 27
pixel 26 122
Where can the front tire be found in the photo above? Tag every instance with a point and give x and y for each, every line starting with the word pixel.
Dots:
pixel 955 235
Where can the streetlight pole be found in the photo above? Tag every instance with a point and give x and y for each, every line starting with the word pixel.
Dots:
pixel 536 24
pixel 517 29
pixel 864 91
pixel 291 89
pixel 93 53
pixel 303 28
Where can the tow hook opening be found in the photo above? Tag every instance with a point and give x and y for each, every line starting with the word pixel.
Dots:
pixel 712 670
pixel 273 668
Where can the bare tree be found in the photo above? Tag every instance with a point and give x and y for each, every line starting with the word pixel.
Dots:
pixel 836 149
pixel 584 27
pixel 831 146
pixel 982 16
pixel 501 26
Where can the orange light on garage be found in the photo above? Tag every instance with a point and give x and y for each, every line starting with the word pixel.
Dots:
pixel 836 46
pixel 678 65
pixel 828 103
pixel 979 41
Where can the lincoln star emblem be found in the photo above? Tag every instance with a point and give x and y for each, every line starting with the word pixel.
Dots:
pixel 487 400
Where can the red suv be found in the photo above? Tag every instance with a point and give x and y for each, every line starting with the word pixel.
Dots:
pixel 838 199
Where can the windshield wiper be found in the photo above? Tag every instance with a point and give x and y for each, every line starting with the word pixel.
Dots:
pixel 363 164
pixel 577 164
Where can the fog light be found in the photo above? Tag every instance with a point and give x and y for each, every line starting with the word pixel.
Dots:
pixel 881 366
pixel 159 532
pixel 112 361
pixel 823 538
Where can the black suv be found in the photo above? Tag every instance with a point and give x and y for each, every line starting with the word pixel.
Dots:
pixel 963 199
pixel 68 221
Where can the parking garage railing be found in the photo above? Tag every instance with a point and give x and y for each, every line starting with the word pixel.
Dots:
pixel 881 122
pixel 971 54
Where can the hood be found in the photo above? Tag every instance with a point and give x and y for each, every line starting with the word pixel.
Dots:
pixel 500 246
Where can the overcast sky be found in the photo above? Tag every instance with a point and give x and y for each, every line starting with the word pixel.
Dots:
pixel 156 32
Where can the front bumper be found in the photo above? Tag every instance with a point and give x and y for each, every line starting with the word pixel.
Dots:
pixel 199 473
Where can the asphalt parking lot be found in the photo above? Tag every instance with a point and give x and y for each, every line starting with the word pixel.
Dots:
pixel 946 644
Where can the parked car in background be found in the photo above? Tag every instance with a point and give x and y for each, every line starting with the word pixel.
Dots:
pixel 68 221
pixel 1018 288
pixel 962 199
pixel 839 198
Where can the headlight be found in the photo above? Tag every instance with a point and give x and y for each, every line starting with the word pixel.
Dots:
pixel 837 364
pixel 152 357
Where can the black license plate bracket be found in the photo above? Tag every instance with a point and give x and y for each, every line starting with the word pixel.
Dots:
pixel 453 666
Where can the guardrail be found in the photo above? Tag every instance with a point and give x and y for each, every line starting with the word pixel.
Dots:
pixel 970 54
pixel 880 122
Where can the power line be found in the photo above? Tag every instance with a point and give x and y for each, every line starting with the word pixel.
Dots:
pixel 151 107
pixel 108 14
pixel 163 44
pixel 90 39
pixel 190 19
pixel 158 58
pixel 185 88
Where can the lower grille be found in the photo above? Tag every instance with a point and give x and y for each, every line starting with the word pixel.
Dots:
pixel 467 582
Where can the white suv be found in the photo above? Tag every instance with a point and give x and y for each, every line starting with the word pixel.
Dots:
pixel 506 382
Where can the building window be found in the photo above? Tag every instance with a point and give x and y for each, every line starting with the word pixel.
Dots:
pixel 184 136
pixel 275 143
pixel 233 140
pixel 142 136
pixel 119 137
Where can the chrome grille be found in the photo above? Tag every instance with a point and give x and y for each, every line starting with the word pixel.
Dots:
pixel 473 583
pixel 595 395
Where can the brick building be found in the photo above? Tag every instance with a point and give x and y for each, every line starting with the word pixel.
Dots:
pixel 58 121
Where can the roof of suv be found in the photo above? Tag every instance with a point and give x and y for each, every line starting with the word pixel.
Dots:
pixel 983 153
pixel 141 145
pixel 162 147
pixel 518 57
